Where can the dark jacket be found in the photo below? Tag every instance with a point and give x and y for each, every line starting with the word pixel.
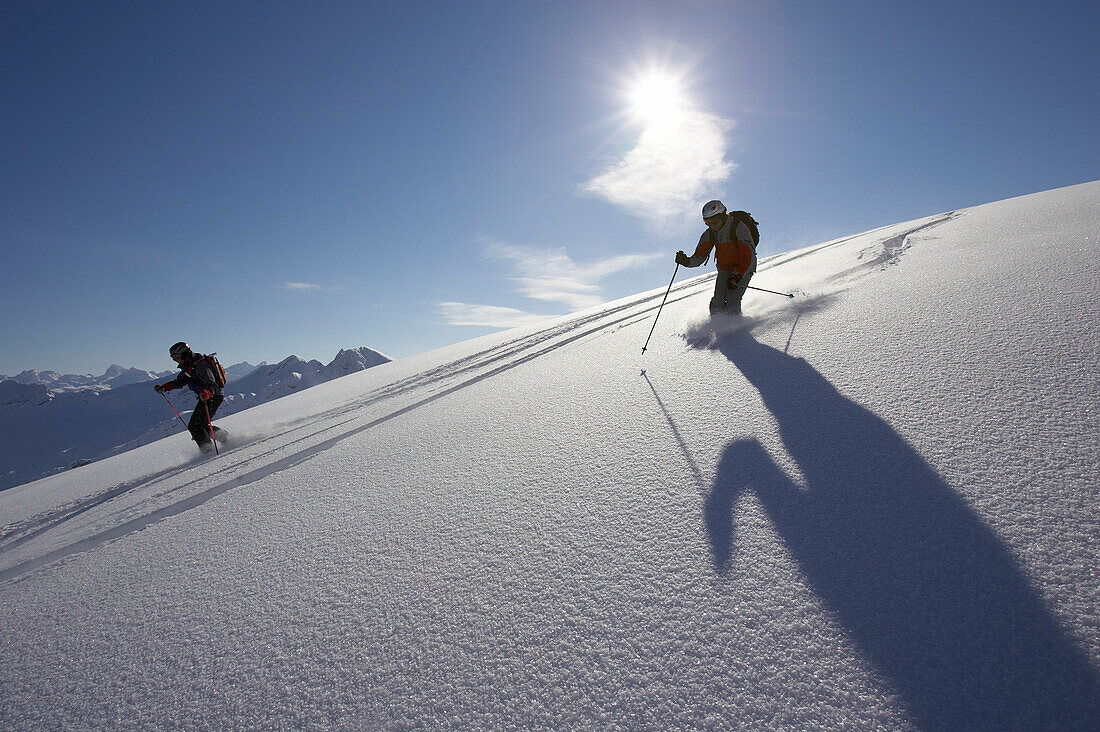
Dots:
pixel 197 373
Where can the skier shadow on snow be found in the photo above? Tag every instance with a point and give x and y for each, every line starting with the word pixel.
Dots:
pixel 924 588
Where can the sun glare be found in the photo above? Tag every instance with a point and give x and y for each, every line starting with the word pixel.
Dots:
pixel 655 97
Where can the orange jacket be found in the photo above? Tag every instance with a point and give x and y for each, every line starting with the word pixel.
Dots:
pixel 735 252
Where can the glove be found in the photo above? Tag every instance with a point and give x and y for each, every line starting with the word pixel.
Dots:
pixel 161 388
pixel 206 395
pixel 683 259
pixel 735 279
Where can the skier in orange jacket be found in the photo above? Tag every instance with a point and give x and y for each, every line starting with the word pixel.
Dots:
pixel 736 256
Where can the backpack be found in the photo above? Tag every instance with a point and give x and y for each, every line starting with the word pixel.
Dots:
pixel 216 367
pixel 746 218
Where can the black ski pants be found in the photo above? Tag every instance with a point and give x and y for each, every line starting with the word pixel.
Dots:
pixel 199 426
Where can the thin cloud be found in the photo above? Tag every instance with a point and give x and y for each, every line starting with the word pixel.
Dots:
pixel 307 287
pixel 546 275
pixel 551 275
pixel 675 165
pixel 493 316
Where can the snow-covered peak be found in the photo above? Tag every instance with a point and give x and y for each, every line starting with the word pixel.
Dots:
pixel 239 370
pixel 117 376
pixel 34 376
pixel 348 361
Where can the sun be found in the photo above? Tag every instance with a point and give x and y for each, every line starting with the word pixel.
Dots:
pixel 656 97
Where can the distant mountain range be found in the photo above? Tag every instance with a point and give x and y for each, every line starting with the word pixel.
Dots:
pixel 51 422
pixel 115 377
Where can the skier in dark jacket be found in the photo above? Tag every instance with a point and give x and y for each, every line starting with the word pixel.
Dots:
pixel 197 373
pixel 735 256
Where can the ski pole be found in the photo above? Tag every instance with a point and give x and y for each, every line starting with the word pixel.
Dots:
pixel 210 424
pixel 662 306
pixel 173 408
pixel 761 289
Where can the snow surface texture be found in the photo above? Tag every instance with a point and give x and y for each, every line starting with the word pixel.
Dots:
pixel 870 507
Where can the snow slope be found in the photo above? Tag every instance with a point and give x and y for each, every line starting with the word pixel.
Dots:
pixel 873 506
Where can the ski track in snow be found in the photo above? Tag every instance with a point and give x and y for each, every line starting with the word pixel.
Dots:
pixel 153 506
pixel 895 246
pixel 309 438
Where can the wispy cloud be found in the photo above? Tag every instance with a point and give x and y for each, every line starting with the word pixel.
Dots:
pixel 307 287
pixel 546 275
pixel 677 163
pixel 493 316
pixel 551 275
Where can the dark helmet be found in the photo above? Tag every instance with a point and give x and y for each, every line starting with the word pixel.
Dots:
pixel 180 350
pixel 712 209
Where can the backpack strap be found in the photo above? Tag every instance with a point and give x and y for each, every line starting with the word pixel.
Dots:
pixel 754 228
pixel 217 369
pixel 743 217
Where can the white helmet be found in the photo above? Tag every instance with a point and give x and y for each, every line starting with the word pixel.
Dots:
pixel 712 209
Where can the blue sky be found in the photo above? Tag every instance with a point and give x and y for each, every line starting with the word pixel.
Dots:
pixel 262 179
